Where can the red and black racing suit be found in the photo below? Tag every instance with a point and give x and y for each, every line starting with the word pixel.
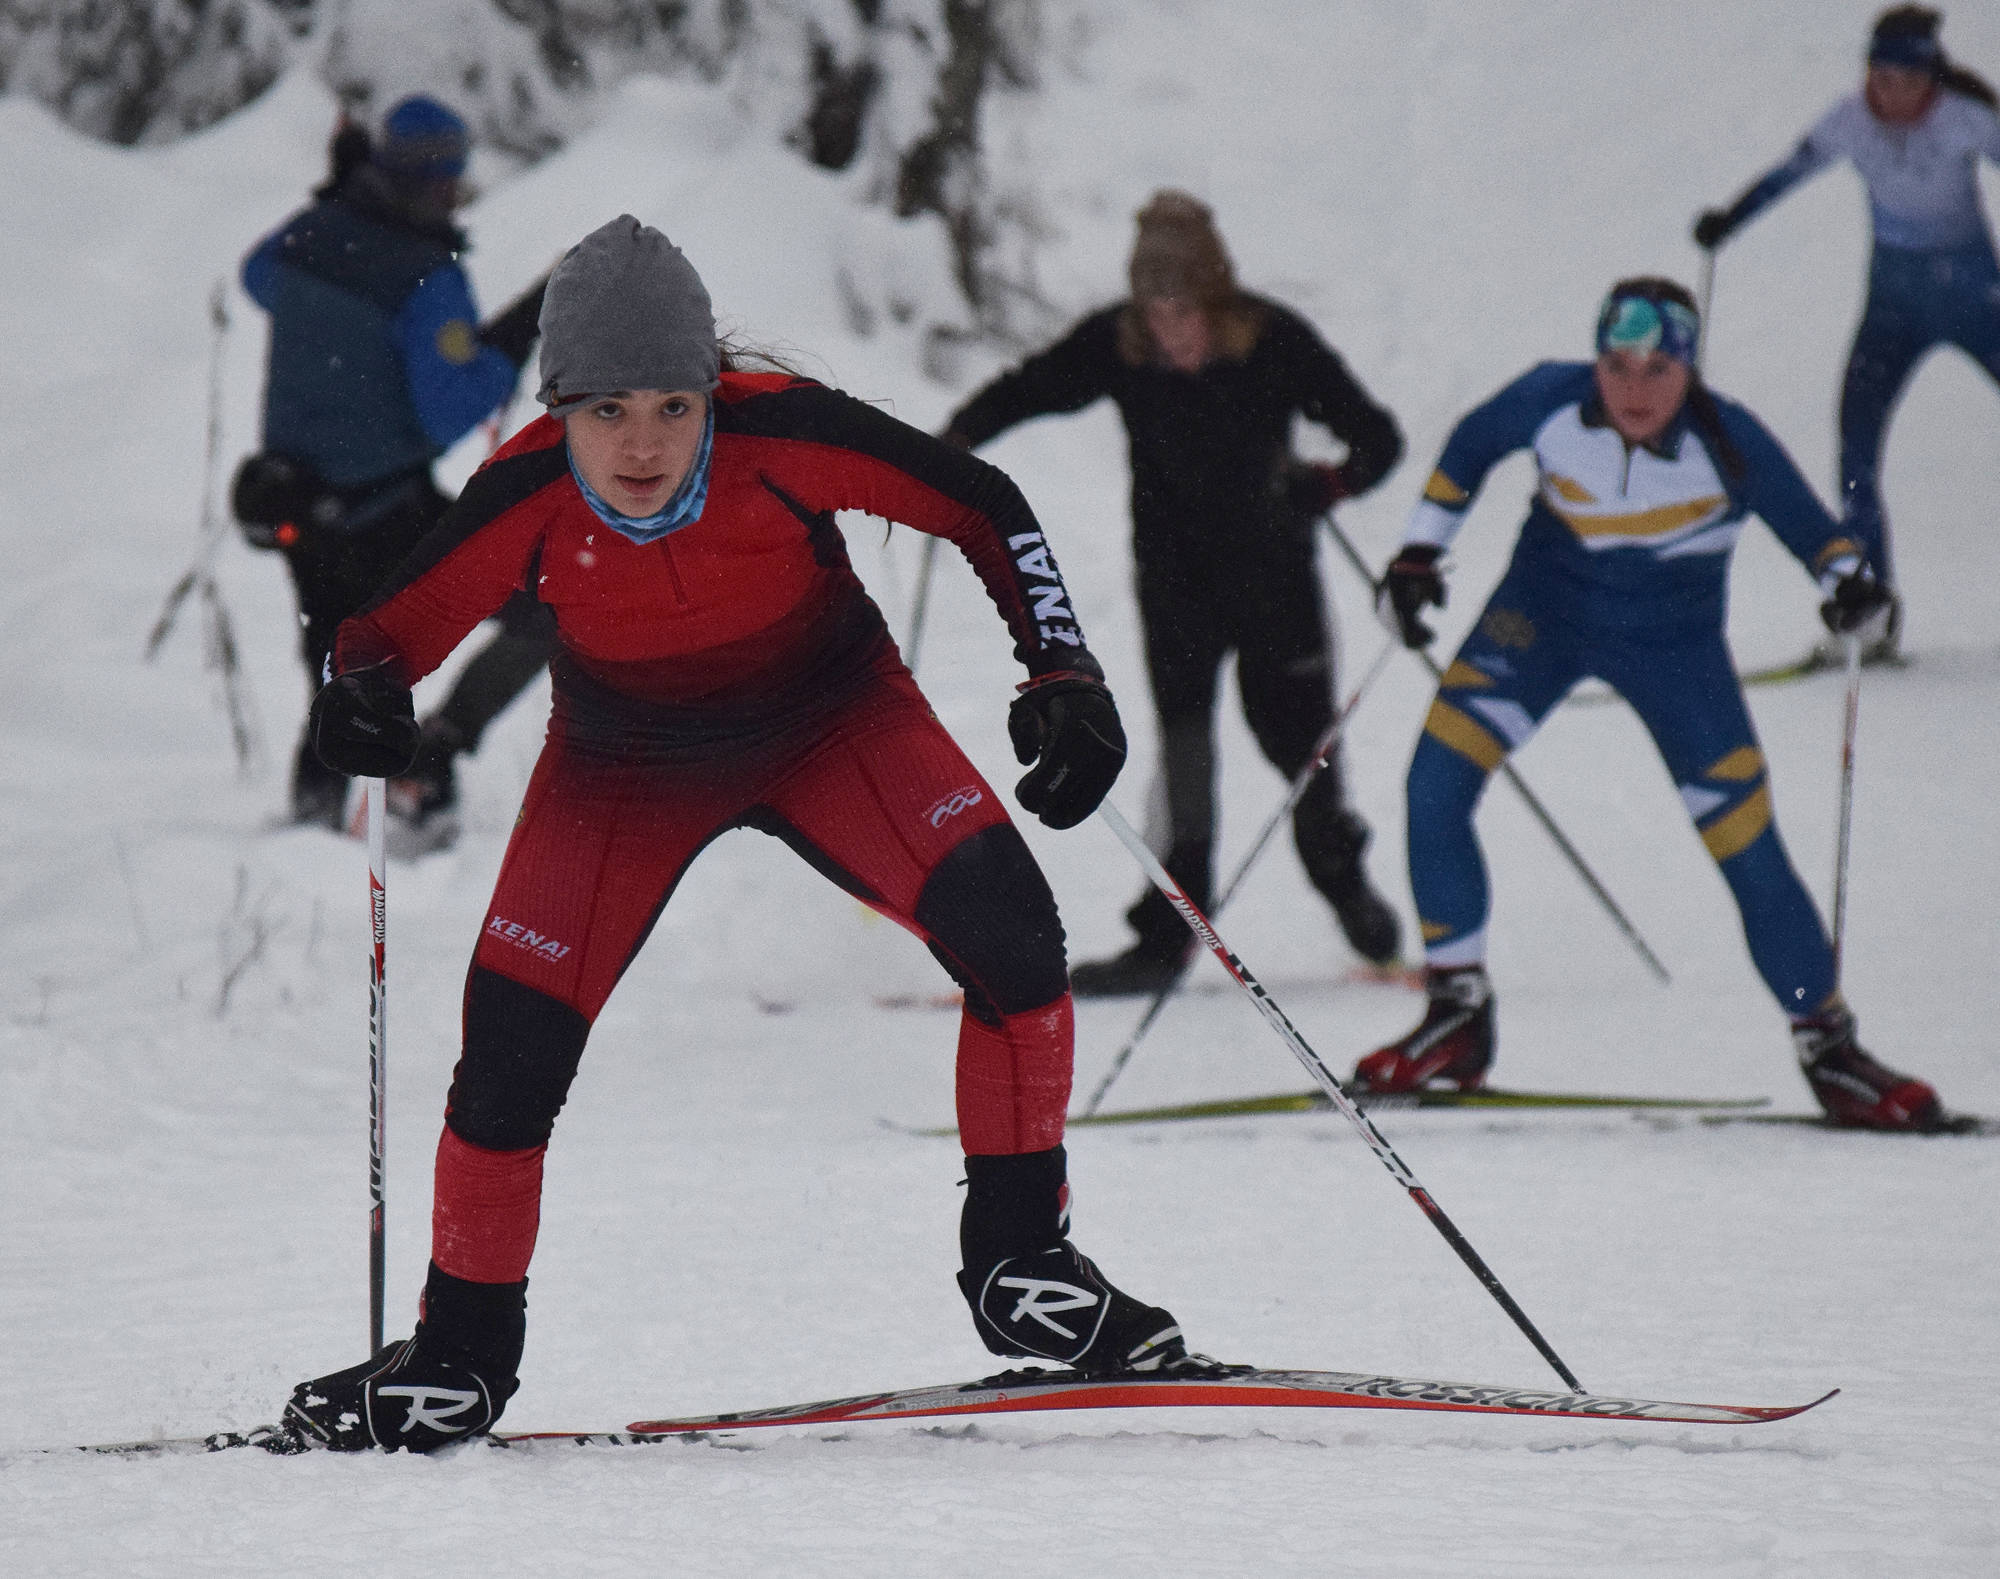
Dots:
pixel 731 674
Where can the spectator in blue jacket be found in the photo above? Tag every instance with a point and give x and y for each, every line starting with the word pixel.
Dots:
pixel 378 365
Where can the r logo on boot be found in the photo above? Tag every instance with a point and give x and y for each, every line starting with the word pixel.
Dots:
pixel 433 1408
pixel 1033 1305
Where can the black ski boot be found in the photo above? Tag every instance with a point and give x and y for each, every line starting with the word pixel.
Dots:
pixel 1165 945
pixel 449 1380
pixel 1852 1087
pixel 1453 1042
pixel 319 795
pixel 423 803
pixel 1331 839
pixel 1032 1292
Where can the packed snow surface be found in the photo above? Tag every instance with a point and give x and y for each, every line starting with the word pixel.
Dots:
pixel 1445 189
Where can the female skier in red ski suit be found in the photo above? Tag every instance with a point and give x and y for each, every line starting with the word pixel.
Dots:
pixel 720 666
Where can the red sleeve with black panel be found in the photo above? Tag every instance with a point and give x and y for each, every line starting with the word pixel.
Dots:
pixel 479 554
pixel 846 455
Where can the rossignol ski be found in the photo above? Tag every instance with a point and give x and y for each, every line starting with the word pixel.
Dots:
pixel 1199 1385
pixel 1220 1387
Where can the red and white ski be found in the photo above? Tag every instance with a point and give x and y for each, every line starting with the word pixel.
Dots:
pixel 1024 1391
pixel 1225 1387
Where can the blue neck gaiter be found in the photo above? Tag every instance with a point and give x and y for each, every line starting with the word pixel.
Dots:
pixel 683 509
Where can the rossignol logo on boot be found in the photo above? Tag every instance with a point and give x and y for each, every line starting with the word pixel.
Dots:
pixel 957 801
pixel 523 937
pixel 432 1408
pixel 1042 1298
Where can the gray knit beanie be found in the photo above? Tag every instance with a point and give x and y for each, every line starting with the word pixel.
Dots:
pixel 625 310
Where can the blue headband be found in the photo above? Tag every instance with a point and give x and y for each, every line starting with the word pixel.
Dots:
pixel 1911 51
pixel 1646 324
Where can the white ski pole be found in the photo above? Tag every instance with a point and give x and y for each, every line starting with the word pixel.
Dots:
pixel 1316 1067
pixel 1295 792
pixel 375 799
pixel 1529 798
pixel 1701 312
pixel 1851 643
pixel 920 602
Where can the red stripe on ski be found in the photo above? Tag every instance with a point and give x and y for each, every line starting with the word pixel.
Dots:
pixel 1028 1391
pixel 1016 1392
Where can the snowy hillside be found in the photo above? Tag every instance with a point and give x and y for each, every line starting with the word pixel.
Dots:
pixel 1445 189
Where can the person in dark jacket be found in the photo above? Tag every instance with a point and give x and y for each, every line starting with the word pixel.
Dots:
pixel 1208 378
pixel 377 366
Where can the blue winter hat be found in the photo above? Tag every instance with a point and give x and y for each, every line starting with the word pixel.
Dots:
pixel 1644 321
pixel 1907 36
pixel 423 141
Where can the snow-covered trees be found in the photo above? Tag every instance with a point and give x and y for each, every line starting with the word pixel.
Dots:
pixel 891 89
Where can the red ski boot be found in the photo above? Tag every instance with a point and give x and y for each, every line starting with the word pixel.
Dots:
pixel 1852 1087
pixel 1453 1044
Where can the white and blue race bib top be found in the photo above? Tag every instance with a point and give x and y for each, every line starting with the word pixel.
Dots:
pixel 1640 533
pixel 1922 180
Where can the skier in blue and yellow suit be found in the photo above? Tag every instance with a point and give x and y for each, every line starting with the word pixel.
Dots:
pixel 1620 572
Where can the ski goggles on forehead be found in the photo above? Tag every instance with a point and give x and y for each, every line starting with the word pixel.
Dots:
pixel 1645 324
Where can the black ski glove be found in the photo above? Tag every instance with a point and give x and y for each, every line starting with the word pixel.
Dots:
pixel 512 330
pixel 364 724
pixel 1713 228
pixel 1067 725
pixel 1411 581
pixel 1857 598
pixel 1313 487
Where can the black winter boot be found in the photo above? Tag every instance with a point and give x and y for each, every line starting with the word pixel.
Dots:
pixel 1034 1293
pixel 1165 944
pixel 449 1380
pixel 1331 839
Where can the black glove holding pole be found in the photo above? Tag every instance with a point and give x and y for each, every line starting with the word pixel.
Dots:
pixel 1712 228
pixel 1855 599
pixel 1067 725
pixel 364 724
pixel 1411 583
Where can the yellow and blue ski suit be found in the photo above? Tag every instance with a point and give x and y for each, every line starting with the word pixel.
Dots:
pixel 1621 573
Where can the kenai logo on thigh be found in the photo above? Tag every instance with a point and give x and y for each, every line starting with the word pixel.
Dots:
pixel 957 801
pixel 523 937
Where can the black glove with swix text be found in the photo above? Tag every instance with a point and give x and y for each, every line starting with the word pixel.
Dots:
pixel 364 724
pixel 1067 725
pixel 1411 583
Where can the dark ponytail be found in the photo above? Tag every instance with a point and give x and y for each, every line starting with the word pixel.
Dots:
pixel 1707 419
pixel 1968 85
pixel 1916 26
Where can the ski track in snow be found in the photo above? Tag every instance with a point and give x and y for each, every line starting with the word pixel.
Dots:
pixel 1445 190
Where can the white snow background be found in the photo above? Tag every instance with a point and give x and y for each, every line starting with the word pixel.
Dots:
pixel 1445 190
